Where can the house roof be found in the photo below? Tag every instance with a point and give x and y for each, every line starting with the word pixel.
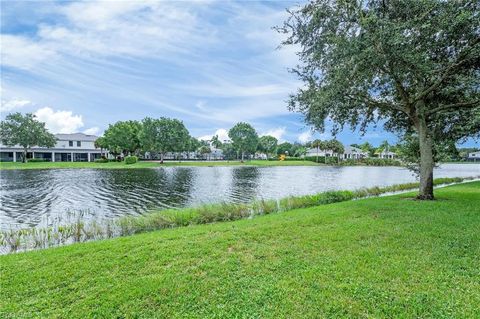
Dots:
pixel 352 150
pixel 76 137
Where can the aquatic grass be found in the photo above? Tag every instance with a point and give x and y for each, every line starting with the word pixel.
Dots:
pixel 79 227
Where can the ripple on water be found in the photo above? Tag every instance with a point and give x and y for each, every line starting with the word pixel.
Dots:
pixel 28 196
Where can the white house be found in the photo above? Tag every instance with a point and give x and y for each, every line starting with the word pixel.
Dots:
pixel 474 156
pixel 321 153
pixel 76 147
pixel 352 152
pixel 387 154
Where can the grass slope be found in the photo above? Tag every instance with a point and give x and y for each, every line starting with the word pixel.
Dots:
pixel 144 164
pixel 379 257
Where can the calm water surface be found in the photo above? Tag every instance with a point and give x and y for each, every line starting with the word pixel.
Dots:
pixel 32 197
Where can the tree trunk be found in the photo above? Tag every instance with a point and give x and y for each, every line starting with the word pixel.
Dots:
pixel 24 160
pixel 161 158
pixel 426 162
pixel 243 153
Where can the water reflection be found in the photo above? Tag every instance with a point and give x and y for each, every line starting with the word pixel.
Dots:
pixel 28 196
pixel 245 183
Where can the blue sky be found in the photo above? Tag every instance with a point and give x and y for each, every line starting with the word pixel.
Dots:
pixel 82 65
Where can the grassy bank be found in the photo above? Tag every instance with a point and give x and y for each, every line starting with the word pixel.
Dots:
pixel 378 257
pixel 147 164
pixel 76 228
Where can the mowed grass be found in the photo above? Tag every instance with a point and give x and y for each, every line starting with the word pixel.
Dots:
pixel 148 164
pixel 388 257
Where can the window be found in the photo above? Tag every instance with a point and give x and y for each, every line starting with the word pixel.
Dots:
pixel 79 143
pixel 70 143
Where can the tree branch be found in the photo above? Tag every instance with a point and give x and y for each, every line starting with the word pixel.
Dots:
pixel 454 105
pixel 447 72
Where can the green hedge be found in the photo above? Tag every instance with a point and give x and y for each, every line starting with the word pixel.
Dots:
pixel 371 162
pixel 131 159
pixel 101 160
pixel 321 159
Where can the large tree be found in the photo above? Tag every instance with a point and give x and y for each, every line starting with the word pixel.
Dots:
pixel 163 135
pixel 285 148
pixel 412 65
pixel 267 144
pixel 26 131
pixel 244 138
pixel 123 136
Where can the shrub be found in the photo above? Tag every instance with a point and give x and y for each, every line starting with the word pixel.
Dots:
pixel 131 159
pixel 101 160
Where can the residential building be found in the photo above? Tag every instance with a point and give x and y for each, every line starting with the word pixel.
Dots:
pixel 352 152
pixel 387 155
pixel 474 156
pixel 76 147
pixel 316 152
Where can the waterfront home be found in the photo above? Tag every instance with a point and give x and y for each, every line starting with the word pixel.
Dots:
pixel 387 155
pixel 317 152
pixel 474 156
pixel 351 152
pixel 76 147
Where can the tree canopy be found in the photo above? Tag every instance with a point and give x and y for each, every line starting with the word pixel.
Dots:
pixel 163 135
pixel 267 144
pixel 244 138
pixel 122 137
pixel 26 131
pixel 412 65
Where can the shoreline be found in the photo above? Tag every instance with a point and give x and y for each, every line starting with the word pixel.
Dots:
pixel 78 230
pixel 384 254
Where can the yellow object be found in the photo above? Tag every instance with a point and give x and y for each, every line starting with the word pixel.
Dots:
pixel 282 157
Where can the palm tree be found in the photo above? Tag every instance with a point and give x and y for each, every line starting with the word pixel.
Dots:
pixel 318 144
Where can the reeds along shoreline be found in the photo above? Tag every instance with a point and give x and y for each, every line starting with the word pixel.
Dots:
pixel 79 229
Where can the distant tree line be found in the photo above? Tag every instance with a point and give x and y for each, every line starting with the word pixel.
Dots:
pixel 157 137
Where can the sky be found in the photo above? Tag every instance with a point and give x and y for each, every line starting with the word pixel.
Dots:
pixel 80 66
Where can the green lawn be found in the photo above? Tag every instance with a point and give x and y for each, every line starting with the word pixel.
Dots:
pixel 381 257
pixel 144 164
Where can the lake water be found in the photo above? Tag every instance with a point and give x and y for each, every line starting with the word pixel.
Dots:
pixel 32 197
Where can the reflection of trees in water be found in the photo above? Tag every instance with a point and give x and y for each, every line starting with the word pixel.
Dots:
pixel 245 183
pixel 154 188
pixel 179 186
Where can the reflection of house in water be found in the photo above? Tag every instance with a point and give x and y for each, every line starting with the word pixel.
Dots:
pixel 76 147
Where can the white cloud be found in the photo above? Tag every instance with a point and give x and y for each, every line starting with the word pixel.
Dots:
pixel 92 131
pixel 10 105
pixel 96 29
pixel 23 53
pixel 59 121
pixel 277 133
pixel 221 133
pixel 305 137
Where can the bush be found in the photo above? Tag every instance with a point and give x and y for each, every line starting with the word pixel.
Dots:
pixel 131 159
pixel 101 160
pixel 36 160
pixel 321 159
